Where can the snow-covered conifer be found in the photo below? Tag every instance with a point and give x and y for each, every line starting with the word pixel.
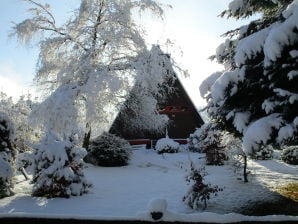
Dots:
pixel 199 191
pixel 109 150
pixel 59 168
pixel 7 155
pixel 290 155
pixel 208 139
pixel 255 97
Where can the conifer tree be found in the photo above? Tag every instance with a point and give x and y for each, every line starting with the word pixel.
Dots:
pixel 256 96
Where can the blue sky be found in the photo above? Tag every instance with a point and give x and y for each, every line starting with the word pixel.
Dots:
pixel 192 24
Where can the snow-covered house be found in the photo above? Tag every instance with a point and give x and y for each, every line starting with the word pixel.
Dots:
pixel 179 108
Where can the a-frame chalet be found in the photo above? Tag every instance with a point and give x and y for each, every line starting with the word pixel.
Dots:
pixel 183 116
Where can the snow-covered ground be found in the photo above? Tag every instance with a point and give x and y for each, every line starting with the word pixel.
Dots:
pixel 124 192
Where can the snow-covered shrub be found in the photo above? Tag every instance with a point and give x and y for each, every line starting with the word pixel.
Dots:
pixel 290 155
pixel 201 137
pixel 109 150
pixel 199 191
pixel 215 154
pixel 167 145
pixel 235 154
pixel 195 140
pixel 208 140
pixel 7 155
pixel 59 168
pixel 264 153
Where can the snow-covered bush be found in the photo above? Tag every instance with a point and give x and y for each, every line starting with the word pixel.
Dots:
pixel 195 139
pixel 215 154
pixel 290 155
pixel 7 155
pixel 167 145
pixel 59 168
pixel 208 140
pixel 264 153
pixel 109 150
pixel 199 191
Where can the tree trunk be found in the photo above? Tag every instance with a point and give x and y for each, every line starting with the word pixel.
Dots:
pixel 86 139
pixel 245 168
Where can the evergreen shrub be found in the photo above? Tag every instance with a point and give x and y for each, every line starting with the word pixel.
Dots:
pixel 167 145
pixel 263 153
pixel 290 155
pixel 109 150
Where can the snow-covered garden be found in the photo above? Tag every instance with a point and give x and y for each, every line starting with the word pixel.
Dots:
pixel 124 193
pixel 58 160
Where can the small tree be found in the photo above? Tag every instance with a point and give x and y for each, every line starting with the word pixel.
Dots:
pixel 207 140
pixel 7 155
pixel 236 154
pixel 59 168
pixel 199 191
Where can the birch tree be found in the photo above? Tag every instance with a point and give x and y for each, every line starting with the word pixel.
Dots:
pixel 87 63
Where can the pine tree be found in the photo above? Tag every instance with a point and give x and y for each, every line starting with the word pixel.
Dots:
pixel 256 97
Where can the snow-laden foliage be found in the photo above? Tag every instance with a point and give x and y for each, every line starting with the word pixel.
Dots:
pixel 208 139
pixel 59 168
pixel 199 191
pixel 153 83
pixel 255 97
pixel 7 155
pixel 109 150
pixel 90 62
pixel 201 137
pixel 19 112
pixel 167 145
pixel 290 155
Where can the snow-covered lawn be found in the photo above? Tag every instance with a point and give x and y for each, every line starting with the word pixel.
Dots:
pixel 124 192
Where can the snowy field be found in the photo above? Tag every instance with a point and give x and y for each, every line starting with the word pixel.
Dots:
pixel 124 192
